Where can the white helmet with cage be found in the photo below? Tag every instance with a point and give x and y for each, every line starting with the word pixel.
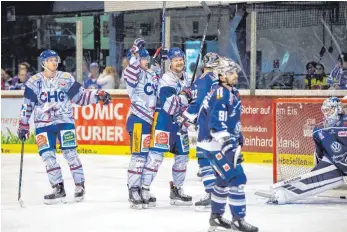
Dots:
pixel 226 65
pixel 332 110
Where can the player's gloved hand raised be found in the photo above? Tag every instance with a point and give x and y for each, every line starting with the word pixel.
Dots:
pixel 139 43
pixel 23 131
pixel 103 96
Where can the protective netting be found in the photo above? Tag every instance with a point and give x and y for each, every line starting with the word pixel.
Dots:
pixel 294 147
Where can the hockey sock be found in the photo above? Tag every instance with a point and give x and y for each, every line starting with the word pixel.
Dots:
pixel 237 201
pixel 150 170
pixel 75 164
pixel 52 167
pixel 179 169
pixel 219 199
pixel 135 170
pixel 207 174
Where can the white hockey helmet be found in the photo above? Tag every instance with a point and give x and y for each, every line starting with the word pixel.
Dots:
pixel 332 110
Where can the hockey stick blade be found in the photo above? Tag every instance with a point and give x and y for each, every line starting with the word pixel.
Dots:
pixel 263 194
pixel 21 203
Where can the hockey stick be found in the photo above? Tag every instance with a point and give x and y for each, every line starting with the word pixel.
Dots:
pixel 163 25
pixel 21 202
pixel 208 13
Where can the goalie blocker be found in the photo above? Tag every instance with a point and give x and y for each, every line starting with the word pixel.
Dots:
pixel 331 151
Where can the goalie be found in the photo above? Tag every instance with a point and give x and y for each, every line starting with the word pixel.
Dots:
pixel 331 154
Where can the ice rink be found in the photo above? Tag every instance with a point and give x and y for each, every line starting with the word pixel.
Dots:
pixel 106 207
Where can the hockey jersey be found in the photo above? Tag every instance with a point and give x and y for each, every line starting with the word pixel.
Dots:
pixel 91 84
pixel 222 108
pixel 331 142
pixel 200 88
pixel 51 99
pixel 170 99
pixel 142 89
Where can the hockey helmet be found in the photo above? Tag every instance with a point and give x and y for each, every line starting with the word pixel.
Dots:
pixel 226 65
pixel 210 60
pixel 175 52
pixel 332 109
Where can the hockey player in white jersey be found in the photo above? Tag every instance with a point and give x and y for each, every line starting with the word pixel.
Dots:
pixel 49 95
pixel 142 87
pixel 331 152
pixel 167 134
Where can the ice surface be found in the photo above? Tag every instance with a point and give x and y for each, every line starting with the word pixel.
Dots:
pixel 106 207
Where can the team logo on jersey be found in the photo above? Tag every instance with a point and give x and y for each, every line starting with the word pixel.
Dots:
pixel 42 141
pixel 336 147
pixel 146 140
pixel 219 156
pixel 226 167
pixel 161 139
pixel 68 138
pixel 342 133
pixel 56 96
pixel 237 129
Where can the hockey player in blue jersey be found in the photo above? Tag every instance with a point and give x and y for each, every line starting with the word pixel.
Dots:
pixel 173 96
pixel 223 145
pixel 330 139
pixel 201 86
pixel 49 95
pixel 142 87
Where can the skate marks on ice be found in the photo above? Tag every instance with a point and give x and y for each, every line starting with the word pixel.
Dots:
pixel 106 206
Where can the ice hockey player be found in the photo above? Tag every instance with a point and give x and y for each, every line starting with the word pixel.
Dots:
pixel 200 88
pixel 50 95
pixel 330 139
pixel 223 113
pixel 142 87
pixel 167 135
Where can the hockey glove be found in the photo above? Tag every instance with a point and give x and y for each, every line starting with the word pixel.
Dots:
pixel 188 93
pixel 140 43
pixel 23 131
pixel 103 96
pixel 233 154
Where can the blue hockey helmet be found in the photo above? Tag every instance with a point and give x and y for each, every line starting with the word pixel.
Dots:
pixel 175 52
pixel 48 54
pixel 144 55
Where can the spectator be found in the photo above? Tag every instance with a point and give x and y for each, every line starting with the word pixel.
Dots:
pixel 338 76
pixel 22 66
pixel 90 83
pixel 125 63
pixel 85 72
pixel 108 79
pixel 316 80
pixel 5 79
pixel 23 77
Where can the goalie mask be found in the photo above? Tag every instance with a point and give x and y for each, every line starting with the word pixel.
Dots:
pixel 210 60
pixel 332 110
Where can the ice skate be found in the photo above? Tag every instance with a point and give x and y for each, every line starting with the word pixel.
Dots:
pixel 219 224
pixel 178 197
pixel 135 198
pixel 204 205
pixel 79 192
pixel 242 225
pixel 58 195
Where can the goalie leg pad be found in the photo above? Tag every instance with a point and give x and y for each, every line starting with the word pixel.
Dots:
pixel 325 176
pixel 75 164
pixel 179 170
pixel 151 167
pixel 135 170
pixel 52 167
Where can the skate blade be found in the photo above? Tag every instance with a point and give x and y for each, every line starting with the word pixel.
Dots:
pixel 180 203
pixel 79 199
pixel 133 206
pixel 152 204
pixel 61 200
pixel 145 206
pixel 203 208
pixel 219 229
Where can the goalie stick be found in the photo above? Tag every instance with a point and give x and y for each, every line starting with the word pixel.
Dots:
pixel 208 13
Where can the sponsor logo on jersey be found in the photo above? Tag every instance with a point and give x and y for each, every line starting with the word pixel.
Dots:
pixel 146 140
pixel 56 96
pixel 66 75
pixel 185 143
pixel 226 167
pixel 336 147
pixel 161 139
pixel 136 138
pixel 42 141
pixel 68 138
pixel 150 89
pixel 342 133
pixel 219 156
pixel 62 84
